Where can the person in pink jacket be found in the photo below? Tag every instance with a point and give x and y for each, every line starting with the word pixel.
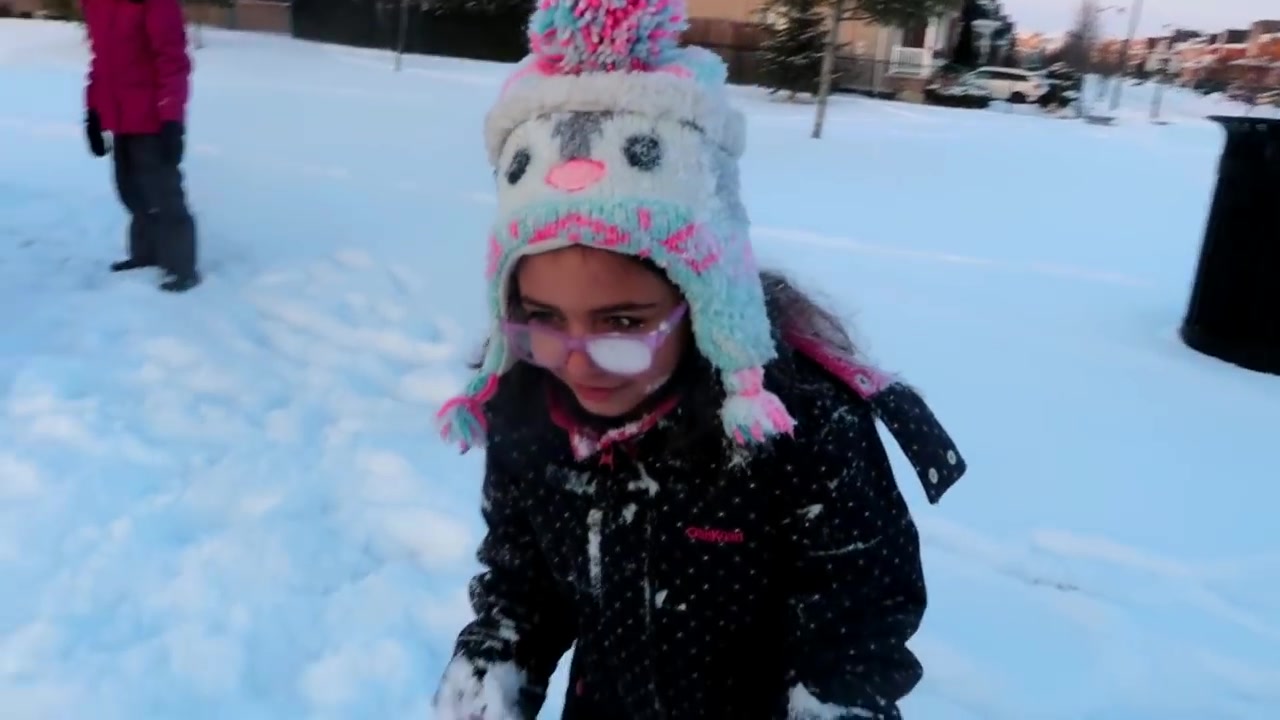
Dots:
pixel 139 81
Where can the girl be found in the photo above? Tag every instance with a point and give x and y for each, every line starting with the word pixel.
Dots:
pixel 683 475
pixel 139 80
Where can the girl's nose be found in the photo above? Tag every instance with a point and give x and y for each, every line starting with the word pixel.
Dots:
pixel 575 175
pixel 578 365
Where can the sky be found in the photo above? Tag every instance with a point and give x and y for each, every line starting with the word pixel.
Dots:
pixel 1206 15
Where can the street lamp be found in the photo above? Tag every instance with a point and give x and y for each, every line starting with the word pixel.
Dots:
pixel 1157 92
pixel 1088 70
pixel 1135 15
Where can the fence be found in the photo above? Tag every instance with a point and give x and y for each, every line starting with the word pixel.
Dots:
pixel 52 9
pixel 20 8
pixel 853 73
pixel 501 38
pixel 376 24
pixel 253 15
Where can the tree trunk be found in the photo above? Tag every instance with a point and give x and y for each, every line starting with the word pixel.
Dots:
pixel 189 9
pixel 1156 94
pixel 403 32
pixel 828 67
pixel 879 67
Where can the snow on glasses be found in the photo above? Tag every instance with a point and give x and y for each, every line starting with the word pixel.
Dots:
pixel 616 353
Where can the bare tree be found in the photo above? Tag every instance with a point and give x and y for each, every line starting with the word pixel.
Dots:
pixel 828 66
pixel 1077 51
pixel 887 13
pixel 898 13
pixel 197 37
pixel 402 32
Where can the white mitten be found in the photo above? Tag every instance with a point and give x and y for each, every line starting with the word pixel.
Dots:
pixel 473 692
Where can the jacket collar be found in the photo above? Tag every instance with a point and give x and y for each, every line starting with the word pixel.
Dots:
pixel 587 440
pixel 914 427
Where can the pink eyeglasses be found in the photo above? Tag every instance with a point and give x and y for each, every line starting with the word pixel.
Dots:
pixel 617 353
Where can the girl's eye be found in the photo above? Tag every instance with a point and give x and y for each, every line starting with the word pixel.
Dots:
pixel 539 317
pixel 625 324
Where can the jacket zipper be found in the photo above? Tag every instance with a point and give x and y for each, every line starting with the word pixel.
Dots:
pixel 649 625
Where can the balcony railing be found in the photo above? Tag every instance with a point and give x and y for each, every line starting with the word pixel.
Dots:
pixel 911 62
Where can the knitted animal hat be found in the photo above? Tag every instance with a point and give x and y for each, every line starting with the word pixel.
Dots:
pixel 611 136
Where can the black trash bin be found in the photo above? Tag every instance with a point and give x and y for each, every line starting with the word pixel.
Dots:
pixel 1234 312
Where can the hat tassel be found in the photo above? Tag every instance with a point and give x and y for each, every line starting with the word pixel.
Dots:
pixel 751 413
pixel 461 419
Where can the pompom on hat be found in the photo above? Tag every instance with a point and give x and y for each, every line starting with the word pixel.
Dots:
pixel 613 136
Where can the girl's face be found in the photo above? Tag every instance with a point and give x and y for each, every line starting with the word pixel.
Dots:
pixel 584 291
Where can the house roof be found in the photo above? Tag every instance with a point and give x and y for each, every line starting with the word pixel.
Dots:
pixel 1265 26
pixel 1234 37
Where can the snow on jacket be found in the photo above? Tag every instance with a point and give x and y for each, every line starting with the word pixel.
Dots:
pixel 139 76
pixel 698 582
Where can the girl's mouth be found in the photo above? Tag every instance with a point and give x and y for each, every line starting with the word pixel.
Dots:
pixel 594 394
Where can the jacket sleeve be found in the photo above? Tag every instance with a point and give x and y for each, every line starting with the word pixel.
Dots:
pixel 167 32
pixel 858 592
pixel 522 626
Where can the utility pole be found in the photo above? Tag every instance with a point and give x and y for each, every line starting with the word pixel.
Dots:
pixel 1091 45
pixel 403 32
pixel 1135 16
pixel 1158 92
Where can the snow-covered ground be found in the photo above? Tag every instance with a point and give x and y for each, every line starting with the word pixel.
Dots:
pixel 1143 101
pixel 232 504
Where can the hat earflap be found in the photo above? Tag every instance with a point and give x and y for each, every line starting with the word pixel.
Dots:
pixel 461 419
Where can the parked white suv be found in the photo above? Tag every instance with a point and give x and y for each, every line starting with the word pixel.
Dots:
pixel 1012 84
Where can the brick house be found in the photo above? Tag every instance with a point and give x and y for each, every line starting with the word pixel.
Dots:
pixel 1212 61
pixel 1259 31
pixel 903 58
pixel 1260 67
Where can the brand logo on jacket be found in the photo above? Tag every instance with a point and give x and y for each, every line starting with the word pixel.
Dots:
pixel 714 535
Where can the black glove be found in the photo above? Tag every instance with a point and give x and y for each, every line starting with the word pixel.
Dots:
pixel 173 141
pixel 93 131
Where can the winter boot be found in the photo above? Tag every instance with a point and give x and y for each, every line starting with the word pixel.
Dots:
pixel 130 264
pixel 180 283
pixel 141 253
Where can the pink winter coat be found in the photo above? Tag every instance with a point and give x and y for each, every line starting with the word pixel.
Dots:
pixel 140 73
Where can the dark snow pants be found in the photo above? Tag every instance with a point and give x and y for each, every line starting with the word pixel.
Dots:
pixel 162 231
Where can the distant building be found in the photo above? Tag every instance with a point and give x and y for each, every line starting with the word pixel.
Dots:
pixel 28 7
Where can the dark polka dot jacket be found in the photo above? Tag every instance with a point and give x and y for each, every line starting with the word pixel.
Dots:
pixel 699 581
